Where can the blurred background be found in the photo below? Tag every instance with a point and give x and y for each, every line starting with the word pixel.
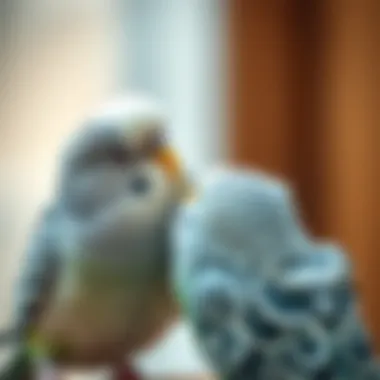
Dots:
pixel 286 86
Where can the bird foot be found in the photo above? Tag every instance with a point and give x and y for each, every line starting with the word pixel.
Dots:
pixel 125 372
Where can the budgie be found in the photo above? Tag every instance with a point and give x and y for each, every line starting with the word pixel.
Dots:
pixel 94 285
pixel 265 300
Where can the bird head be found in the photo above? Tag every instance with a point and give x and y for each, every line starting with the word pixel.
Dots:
pixel 121 162
pixel 247 212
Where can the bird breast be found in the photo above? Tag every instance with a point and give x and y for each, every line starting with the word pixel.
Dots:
pixel 98 314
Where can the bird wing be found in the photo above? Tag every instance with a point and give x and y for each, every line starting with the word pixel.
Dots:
pixel 39 272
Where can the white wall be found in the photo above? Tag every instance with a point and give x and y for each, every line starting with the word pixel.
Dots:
pixel 175 50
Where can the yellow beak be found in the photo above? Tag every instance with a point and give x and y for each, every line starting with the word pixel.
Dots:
pixel 168 159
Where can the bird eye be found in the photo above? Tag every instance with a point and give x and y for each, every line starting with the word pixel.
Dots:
pixel 140 185
pixel 154 143
pixel 119 154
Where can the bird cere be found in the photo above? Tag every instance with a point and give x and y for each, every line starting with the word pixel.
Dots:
pixel 120 251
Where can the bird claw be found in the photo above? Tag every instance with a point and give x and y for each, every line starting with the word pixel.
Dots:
pixel 125 372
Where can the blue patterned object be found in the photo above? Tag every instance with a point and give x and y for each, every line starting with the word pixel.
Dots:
pixel 264 300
